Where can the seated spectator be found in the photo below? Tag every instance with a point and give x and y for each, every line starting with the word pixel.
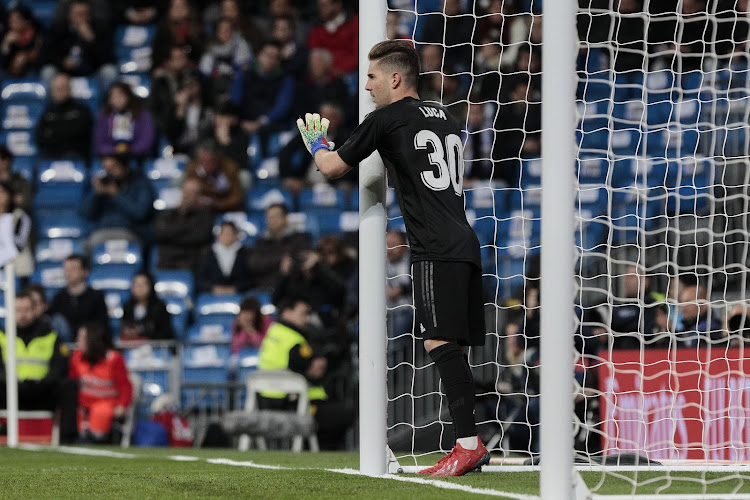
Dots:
pixel 123 126
pixel 310 277
pixel 224 270
pixel 279 239
pixel 737 325
pixel 264 93
pixel 184 233
pixel 101 11
pixel 41 360
pixel 144 315
pixel 293 54
pixel 338 33
pixel 700 325
pixel 250 326
pixel 398 285
pixel 20 186
pixel 321 85
pixel 64 129
pixel 225 129
pixel 189 116
pixel 282 8
pixel 478 145
pixel 170 81
pixel 104 391
pixel 236 12
pixel 181 26
pixel 119 203
pixel 286 347
pixel 22 44
pixel 78 302
pixel 518 126
pixel 227 54
pixel 137 11
pixel 629 318
pixel 221 189
pixel 24 261
pixel 295 167
pixel 41 312
pixel 453 28
pixel 80 47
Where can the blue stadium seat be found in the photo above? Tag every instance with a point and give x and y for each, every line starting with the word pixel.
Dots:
pixel 210 333
pixel 133 36
pixel 21 116
pixel 50 276
pixel 26 167
pixel 635 210
pixel 20 142
pixel 87 89
pixel 115 300
pixel 44 10
pixel 154 365
pixel 481 196
pixel 204 364
pixel 322 196
pixel 483 221
pixel 592 169
pixel 178 312
pixel 23 91
pixel 626 142
pixel 259 198
pixel 175 283
pixel 139 82
pixel 56 250
pixel 61 223
pixel 216 308
pixel 123 253
pixel 165 169
pixel 693 191
pixel 134 59
pixel 598 86
pixel 114 277
pixel 247 362
pixel 60 184
pixel 167 197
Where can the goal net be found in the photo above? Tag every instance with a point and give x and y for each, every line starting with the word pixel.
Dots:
pixel 662 396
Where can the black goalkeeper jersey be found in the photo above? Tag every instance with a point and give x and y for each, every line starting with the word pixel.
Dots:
pixel 421 147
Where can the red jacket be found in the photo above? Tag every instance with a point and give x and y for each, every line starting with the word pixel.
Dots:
pixel 343 44
pixel 108 379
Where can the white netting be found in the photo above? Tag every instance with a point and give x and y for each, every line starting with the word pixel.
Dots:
pixel 662 233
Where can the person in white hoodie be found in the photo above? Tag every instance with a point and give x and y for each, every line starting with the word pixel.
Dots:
pixel 225 269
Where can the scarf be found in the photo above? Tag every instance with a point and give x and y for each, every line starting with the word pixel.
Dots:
pixel 225 256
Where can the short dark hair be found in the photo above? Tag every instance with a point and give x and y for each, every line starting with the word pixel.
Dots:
pixel 24 295
pixel 400 56
pixel 37 288
pixel 290 302
pixel 230 224
pixel 5 153
pixel 80 258
pixel 282 206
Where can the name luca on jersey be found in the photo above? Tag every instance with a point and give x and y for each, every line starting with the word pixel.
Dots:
pixel 432 112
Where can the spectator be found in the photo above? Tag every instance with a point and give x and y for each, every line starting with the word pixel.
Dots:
pixel 184 233
pixel 228 54
pixel 700 325
pixel 630 37
pixel 41 360
pixel 478 146
pixel 225 129
pixel 119 203
pixel 138 11
pixel 264 93
pixel 293 54
pixel 64 129
pixel 629 317
pixel 321 85
pixel 181 26
pixel 279 239
pixel 105 391
pixel 232 11
pixel 123 126
pixel 294 164
pixel 338 33
pixel 80 47
pixel 737 325
pixel 221 190
pixel 250 326
pixel 78 302
pixel 41 312
pixel 453 28
pixel 101 12
pixel 145 315
pixel 518 126
pixel 169 81
pixel 24 262
pixel 282 8
pixel 310 277
pixel 19 185
pixel 398 285
pixel 22 44
pixel 224 270
pixel 286 347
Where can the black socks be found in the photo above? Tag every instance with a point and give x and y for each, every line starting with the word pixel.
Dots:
pixel 458 382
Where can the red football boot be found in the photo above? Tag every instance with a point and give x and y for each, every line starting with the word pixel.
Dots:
pixel 460 461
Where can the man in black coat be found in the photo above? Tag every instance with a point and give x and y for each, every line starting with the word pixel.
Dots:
pixel 225 269
pixel 64 129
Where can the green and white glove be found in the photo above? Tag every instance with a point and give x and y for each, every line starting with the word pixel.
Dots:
pixel 313 131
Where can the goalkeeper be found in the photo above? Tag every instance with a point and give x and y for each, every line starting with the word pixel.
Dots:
pixel 421 147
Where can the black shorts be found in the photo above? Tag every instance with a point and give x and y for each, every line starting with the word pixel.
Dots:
pixel 449 301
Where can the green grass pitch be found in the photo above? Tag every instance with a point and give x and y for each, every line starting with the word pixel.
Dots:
pixel 150 473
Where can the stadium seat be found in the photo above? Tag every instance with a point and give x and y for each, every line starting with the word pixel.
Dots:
pixel 155 366
pixel 122 253
pixel 50 276
pixel 178 312
pixel 133 36
pixel 489 196
pixel 178 284
pixel 139 82
pixel 259 198
pixel 204 364
pixel 210 333
pixel 692 193
pixel 322 196
pixel 60 223
pixel 21 116
pixel 211 308
pixel 167 197
pixel 25 166
pixel 169 169
pixel 60 184
pixel 57 249
pixel 115 300
pixel 592 169
pixel 23 91
pixel 114 277
pixel 20 142
pixel 247 363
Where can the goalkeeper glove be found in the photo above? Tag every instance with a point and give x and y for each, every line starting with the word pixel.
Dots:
pixel 313 131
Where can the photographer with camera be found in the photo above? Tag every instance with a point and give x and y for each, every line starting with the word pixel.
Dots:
pixel 119 203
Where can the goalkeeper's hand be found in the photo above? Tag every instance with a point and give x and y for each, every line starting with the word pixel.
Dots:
pixel 313 131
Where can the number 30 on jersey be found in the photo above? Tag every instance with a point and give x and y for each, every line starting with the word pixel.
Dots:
pixel 450 172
